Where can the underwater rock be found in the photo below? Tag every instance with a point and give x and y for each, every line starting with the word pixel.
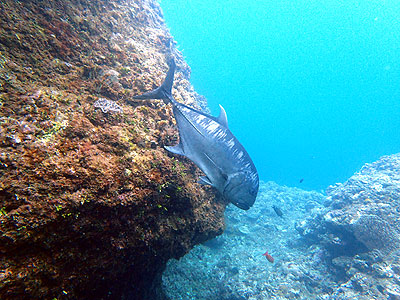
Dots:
pixel 366 206
pixel 91 205
pixel 360 229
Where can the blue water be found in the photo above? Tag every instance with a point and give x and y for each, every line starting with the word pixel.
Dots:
pixel 311 88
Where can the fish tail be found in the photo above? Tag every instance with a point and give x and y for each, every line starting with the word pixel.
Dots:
pixel 163 91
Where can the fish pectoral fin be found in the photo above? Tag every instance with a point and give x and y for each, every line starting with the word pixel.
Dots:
pixel 177 149
pixel 220 171
pixel 222 118
pixel 205 181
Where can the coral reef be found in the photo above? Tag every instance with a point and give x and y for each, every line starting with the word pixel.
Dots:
pixel 360 229
pixel 91 205
pixel 340 247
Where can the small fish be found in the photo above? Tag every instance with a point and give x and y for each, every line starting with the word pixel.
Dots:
pixel 278 211
pixel 301 180
pixel 269 257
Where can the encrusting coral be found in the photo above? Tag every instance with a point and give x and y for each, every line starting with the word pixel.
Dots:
pixel 91 205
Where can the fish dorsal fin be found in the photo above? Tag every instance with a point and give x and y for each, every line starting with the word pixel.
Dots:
pixel 222 118
pixel 177 149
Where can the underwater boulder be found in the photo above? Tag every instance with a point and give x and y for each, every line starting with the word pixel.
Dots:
pixel 367 206
pixel 360 229
pixel 362 214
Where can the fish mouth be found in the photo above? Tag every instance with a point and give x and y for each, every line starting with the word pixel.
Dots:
pixel 235 191
pixel 243 206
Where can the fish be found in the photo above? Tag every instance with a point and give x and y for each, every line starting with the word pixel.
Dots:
pixel 301 180
pixel 269 257
pixel 207 141
pixel 278 211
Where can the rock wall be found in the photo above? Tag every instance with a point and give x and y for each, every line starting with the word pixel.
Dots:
pixel 91 205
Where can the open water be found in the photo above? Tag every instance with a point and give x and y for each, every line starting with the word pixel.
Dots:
pixel 311 88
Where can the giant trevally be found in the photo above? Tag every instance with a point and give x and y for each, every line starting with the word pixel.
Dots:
pixel 208 142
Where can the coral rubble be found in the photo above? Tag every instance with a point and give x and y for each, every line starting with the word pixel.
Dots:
pixel 91 205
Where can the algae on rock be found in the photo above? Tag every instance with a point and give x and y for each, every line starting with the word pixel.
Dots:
pixel 91 205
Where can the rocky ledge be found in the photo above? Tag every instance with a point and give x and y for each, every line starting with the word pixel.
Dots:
pixel 91 205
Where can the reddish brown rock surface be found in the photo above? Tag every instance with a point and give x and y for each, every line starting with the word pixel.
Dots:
pixel 91 205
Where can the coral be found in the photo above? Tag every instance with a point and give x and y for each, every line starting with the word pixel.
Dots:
pixel 91 205
pixel 366 205
pixel 376 233
pixel 360 230
pixel 108 106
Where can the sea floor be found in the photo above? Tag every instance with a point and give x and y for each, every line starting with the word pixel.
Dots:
pixel 232 266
